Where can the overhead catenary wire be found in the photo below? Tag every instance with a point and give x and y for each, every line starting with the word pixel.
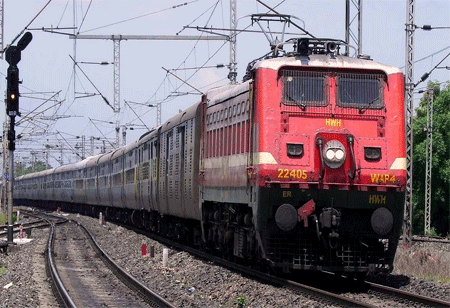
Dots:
pixel 426 75
pixel 28 115
pixel 84 17
pixel 104 98
pixel 137 115
pixel 101 132
pixel 429 56
pixel 62 15
pixel 70 146
pixel 141 16
pixel 26 27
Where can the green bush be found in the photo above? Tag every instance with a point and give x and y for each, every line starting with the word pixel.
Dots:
pixel 432 232
pixel 3 219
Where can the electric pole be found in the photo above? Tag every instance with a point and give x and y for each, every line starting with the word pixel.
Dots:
pixel 233 70
pixel 409 85
pixel 2 16
pixel 350 35
pixel 429 165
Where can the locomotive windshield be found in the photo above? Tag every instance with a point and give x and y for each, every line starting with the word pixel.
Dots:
pixel 304 88
pixel 352 90
pixel 360 90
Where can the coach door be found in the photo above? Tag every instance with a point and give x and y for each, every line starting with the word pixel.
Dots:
pixel 181 190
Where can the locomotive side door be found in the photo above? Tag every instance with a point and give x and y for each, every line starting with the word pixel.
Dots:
pixel 250 142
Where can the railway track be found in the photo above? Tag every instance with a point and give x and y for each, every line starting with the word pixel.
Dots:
pixel 84 276
pixel 430 239
pixel 38 222
pixel 313 293
pixel 359 295
pixel 316 292
pixel 411 299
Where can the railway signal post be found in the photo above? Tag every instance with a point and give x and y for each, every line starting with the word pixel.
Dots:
pixel 13 57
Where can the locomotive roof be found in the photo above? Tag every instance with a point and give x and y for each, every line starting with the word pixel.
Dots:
pixel 320 60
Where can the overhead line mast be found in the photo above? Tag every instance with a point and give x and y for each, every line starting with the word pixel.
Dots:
pixel 409 85
pixel 2 23
pixel 233 69
pixel 349 33
pixel 429 158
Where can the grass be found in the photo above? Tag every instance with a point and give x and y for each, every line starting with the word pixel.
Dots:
pixel 3 219
pixel 2 270
pixel 423 263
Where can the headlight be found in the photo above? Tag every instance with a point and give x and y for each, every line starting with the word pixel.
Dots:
pixel 334 154
pixel 372 153
pixel 295 149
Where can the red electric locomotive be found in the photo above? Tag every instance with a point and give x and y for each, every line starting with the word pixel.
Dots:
pixel 303 164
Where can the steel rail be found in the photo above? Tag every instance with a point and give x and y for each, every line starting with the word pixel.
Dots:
pixel 416 298
pixel 59 289
pixel 16 225
pixel 431 240
pixel 26 226
pixel 147 294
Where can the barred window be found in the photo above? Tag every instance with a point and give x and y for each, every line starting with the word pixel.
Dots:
pixel 360 90
pixel 304 88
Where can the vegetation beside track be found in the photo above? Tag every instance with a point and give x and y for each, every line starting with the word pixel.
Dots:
pixel 424 263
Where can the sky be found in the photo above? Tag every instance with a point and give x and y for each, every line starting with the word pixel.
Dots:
pixel 64 109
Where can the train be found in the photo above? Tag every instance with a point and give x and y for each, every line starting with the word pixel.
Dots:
pixel 301 167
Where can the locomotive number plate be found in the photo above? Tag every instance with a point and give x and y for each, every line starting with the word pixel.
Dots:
pixel 382 178
pixel 297 174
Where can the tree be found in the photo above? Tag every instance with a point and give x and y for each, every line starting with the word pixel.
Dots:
pixel 20 168
pixel 440 178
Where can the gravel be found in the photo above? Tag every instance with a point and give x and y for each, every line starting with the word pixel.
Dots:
pixel 185 280
pixel 24 282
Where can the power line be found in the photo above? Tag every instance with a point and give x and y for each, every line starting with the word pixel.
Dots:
pixel 429 56
pixel 104 98
pixel 141 16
